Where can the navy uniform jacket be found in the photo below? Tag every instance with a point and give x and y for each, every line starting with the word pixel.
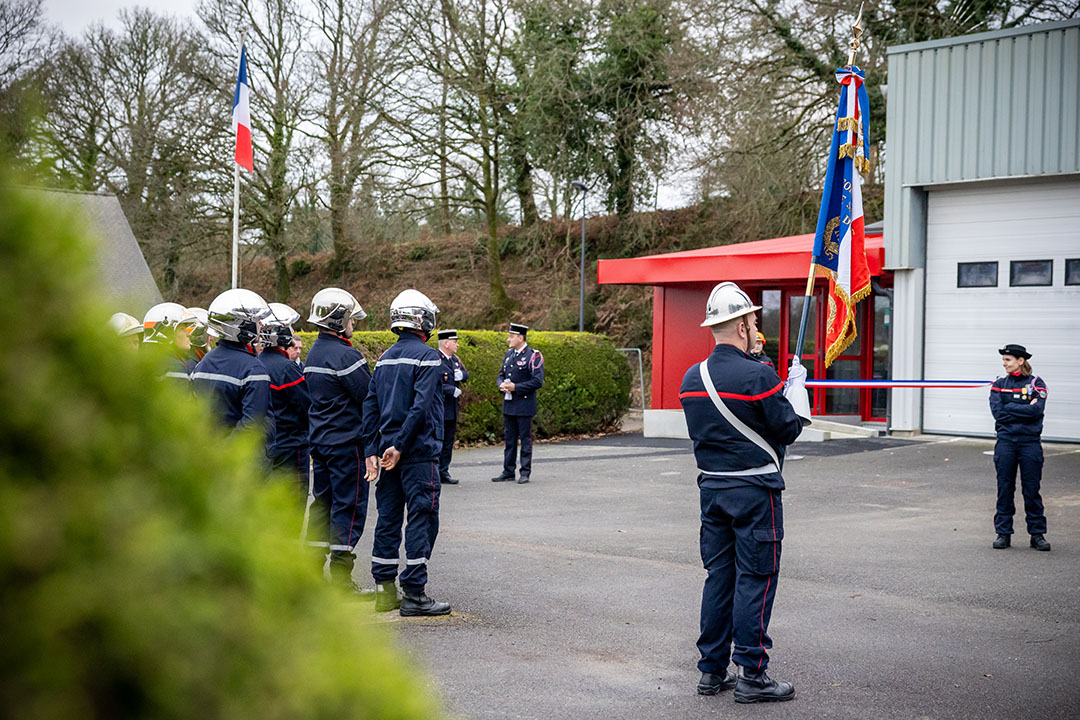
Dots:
pixel 289 402
pixel 524 368
pixel 238 382
pixel 449 385
pixel 337 378
pixel 763 359
pixel 177 368
pixel 1015 416
pixel 753 393
pixel 404 405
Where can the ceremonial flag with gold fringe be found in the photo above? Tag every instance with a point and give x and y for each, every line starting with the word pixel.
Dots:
pixel 839 241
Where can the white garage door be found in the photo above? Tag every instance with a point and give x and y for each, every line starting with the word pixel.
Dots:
pixel 1002 223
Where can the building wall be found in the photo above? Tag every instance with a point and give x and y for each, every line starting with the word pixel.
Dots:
pixel 1003 105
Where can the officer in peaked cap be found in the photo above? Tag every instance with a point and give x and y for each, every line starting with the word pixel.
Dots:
pixel 1018 403
pixel 741 418
pixel 453 374
pixel 522 374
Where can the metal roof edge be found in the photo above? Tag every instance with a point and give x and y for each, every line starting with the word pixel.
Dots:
pixel 983 36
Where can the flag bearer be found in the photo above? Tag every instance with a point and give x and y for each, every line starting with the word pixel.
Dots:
pixel 522 374
pixel 1018 402
pixel 231 374
pixel 453 374
pixel 337 377
pixel 403 427
pixel 289 398
pixel 740 423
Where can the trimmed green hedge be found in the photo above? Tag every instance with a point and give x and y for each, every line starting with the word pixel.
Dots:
pixel 586 381
pixel 147 568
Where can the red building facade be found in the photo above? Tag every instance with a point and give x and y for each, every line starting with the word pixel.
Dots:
pixel 773 272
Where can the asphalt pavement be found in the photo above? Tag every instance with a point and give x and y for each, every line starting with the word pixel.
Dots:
pixel 577 596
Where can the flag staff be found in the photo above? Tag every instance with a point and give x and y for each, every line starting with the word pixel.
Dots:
pixel 808 298
pixel 236 203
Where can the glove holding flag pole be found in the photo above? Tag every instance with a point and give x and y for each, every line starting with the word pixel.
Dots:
pixel 839 253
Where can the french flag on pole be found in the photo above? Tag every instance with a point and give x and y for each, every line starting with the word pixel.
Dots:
pixel 241 116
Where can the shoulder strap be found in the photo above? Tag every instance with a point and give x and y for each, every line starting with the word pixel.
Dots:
pixel 736 423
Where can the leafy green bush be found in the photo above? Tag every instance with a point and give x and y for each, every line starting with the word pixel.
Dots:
pixel 586 381
pixel 146 567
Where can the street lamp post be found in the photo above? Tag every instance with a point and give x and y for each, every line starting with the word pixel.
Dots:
pixel 579 185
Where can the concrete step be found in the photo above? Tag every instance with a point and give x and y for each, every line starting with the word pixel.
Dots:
pixel 839 430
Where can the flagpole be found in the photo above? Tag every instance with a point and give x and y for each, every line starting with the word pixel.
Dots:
pixel 808 298
pixel 236 225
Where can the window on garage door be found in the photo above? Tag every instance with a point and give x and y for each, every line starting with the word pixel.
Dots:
pixel 1031 273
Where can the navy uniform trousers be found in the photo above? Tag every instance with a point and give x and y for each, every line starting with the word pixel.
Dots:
pixel 447 454
pixel 417 485
pixel 297 462
pixel 342 493
pixel 1028 456
pixel 517 428
pixel 741 532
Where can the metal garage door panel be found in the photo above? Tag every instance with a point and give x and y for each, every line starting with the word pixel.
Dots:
pixel 964 326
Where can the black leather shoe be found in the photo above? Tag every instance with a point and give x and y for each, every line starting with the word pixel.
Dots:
pixel 386 597
pixel 759 687
pixel 523 479
pixel 502 478
pixel 447 480
pixel 421 605
pixel 1039 543
pixel 711 684
pixel 1002 542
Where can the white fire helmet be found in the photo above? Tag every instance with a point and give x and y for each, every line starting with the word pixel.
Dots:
pixel 332 308
pixel 124 325
pixel 161 320
pixel 413 310
pixel 727 302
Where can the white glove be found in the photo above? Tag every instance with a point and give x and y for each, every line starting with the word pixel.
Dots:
pixel 458 375
pixel 795 391
pixel 457 392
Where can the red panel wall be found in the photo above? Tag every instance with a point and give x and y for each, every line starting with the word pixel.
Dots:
pixel 678 339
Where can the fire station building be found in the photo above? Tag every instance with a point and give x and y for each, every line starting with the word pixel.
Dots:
pixel 980 246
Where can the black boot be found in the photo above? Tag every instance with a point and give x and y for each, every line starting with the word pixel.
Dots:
pixel 1002 542
pixel 502 478
pixel 523 479
pixel 711 684
pixel 417 604
pixel 752 687
pixel 447 480
pixel 386 597
pixel 1039 542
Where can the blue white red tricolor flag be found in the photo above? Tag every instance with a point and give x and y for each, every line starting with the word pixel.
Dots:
pixel 241 116
pixel 839 241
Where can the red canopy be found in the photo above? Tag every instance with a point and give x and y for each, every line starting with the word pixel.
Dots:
pixel 786 258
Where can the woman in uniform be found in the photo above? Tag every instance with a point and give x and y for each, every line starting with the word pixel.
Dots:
pixel 1017 402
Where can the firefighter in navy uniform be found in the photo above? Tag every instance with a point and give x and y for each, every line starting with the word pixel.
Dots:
pixel 337 378
pixel 740 417
pixel 403 427
pixel 453 374
pixel 522 374
pixel 169 325
pixel 758 351
pixel 230 373
pixel 289 398
pixel 1018 402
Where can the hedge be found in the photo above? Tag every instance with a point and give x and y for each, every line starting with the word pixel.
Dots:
pixel 147 568
pixel 586 381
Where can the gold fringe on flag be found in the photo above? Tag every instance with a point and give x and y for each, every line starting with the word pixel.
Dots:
pixel 849 333
pixel 849 123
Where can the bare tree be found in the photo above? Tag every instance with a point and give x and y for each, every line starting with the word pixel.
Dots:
pixel 356 59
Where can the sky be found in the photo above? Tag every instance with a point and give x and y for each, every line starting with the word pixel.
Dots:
pixel 74 16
